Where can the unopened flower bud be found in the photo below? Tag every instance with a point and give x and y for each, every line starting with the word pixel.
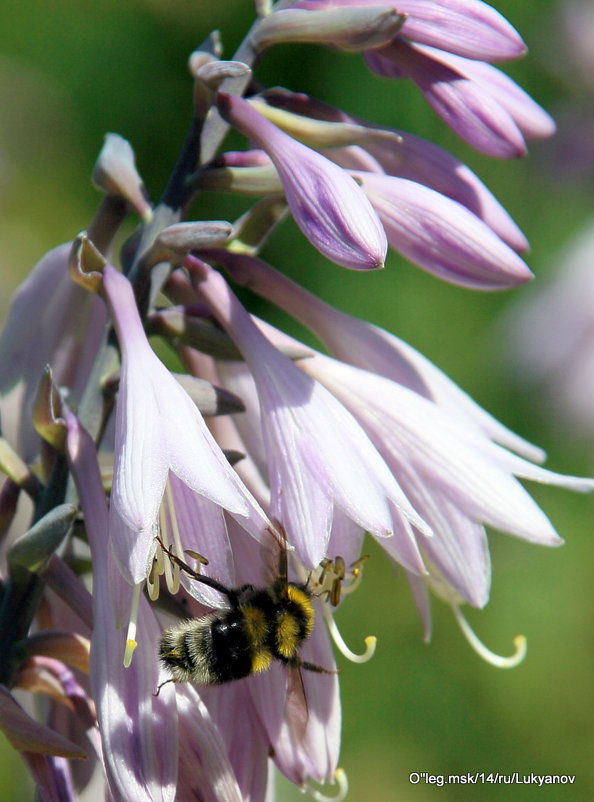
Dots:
pixel 115 172
pixel 356 28
pixel 327 204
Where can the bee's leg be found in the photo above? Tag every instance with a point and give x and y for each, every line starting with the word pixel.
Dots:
pixel 167 681
pixel 297 662
pixel 230 593
pixel 178 561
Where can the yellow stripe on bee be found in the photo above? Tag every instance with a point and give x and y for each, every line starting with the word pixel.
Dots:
pixel 287 635
pixel 255 621
pixel 261 661
pixel 303 600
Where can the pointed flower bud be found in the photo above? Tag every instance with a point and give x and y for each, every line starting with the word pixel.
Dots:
pixel 470 28
pixel 27 735
pixel 328 206
pixel 115 172
pixel 466 107
pixel 357 28
pixel 442 236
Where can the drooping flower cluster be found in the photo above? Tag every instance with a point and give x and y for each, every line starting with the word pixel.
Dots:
pixel 301 453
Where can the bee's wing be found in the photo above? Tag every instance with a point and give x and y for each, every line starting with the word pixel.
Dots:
pixel 275 556
pixel 296 712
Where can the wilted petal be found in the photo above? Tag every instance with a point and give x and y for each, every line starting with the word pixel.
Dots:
pixel 28 735
pixel 442 236
pixel 325 201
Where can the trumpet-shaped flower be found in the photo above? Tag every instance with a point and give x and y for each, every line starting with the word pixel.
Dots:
pixel 159 431
pixel 328 206
pixel 361 344
pixel 51 321
pixel 449 471
pixel 317 456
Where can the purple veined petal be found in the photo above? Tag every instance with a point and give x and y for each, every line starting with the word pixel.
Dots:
pixel 326 202
pixel 532 120
pixel 52 321
pixel 412 157
pixel 205 770
pixel 472 472
pixel 459 548
pixel 151 442
pixel 468 27
pixel 311 753
pixel 359 343
pixel 418 160
pixel 138 729
pixel 473 113
pixel 237 719
pixel 442 236
pixel 310 438
pixel 205 532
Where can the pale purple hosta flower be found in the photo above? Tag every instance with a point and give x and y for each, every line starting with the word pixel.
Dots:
pixel 438 442
pixel 364 345
pixel 551 338
pixel 317 456
pixel 51 321
pixel 328 206
pixel 442 236
pixel 407 156
pixel 455 475
pixel 481 104
pixel 443 48
pixel 138 729
pixel 159 431
pixel 469 28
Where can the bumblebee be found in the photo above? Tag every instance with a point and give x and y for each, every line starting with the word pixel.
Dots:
pixel 261 625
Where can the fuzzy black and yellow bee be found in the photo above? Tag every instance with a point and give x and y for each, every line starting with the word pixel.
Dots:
pixel 260 625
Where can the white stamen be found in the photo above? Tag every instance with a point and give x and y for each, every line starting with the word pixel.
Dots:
pixel 487 655
pixel 131 642
pixel 370 641
pixel 352 585
pixel 152 582
pixel 340 779
pixel 172 570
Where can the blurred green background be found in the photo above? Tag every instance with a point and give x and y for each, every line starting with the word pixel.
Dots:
pixel 71 71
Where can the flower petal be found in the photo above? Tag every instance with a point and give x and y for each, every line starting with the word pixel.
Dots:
pixel 326 202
